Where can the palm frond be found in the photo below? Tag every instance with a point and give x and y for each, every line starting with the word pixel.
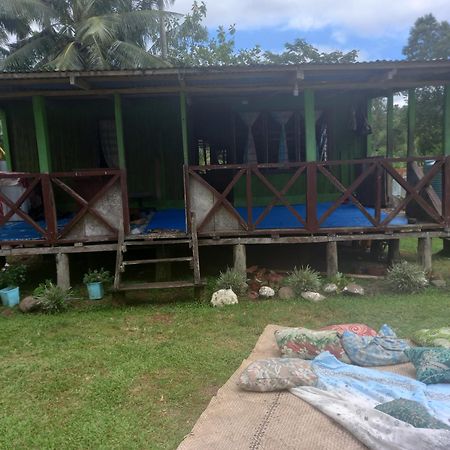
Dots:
pixel 28 55
pixel 96 58
pixel 30 10
pixel 69 58
pixel 127 55
pixel 102 29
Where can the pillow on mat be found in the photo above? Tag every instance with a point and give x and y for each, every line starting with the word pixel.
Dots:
pixel 411 412
pixel 360 329
pixel 307 344
pixel 432 364
pixel 374 351
pixel 436 337
pixel 277 374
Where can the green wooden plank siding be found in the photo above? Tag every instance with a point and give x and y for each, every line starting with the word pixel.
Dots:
pixel 41 127
pixel 447 120
pixel 410 146
pixel 6 144
pixel 310 125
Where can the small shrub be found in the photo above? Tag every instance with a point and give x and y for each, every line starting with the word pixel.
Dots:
pixel 39 291
pixel 12 275
pixel 406 277
pixel 340 280
pixel 97 276
pixel 232 279
pixel 303 279
pixel 53 299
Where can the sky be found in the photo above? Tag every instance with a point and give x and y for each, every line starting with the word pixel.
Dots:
pixel 377 28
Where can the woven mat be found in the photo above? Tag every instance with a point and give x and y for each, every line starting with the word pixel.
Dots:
pixel 236 419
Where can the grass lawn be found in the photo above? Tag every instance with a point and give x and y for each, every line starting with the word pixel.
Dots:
pixel 138 376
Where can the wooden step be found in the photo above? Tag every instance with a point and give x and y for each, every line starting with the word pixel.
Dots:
pixel 154 261
pixel 157 242
pixel 157 285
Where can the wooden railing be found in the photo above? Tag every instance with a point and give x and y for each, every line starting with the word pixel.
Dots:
pixel 231 206
pixel 66 207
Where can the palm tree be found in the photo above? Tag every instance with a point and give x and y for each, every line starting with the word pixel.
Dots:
pixel 79 34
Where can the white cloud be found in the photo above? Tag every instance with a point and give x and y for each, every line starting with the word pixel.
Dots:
pixel 366 18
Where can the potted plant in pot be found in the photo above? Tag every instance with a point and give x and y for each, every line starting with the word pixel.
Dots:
pixel 95 281
pixel 11 276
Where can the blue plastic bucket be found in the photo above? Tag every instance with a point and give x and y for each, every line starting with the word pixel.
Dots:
pixel 95 290
pixel 10 296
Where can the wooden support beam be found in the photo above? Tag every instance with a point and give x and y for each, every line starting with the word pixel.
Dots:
pixel 447 120
pixel 42 139
pixel 411 122
pixel 79 82
pixel 390 126
pixel 119 131
pixel 310 125
pixel 369 137
pixel 184 127
pixel 393 251
pixel 6 146
pixel 424 253
pixel 332 259
pixel 240 258
pixel 62 270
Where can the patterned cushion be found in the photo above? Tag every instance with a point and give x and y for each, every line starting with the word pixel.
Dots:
pixel 277 374
pixel 437 337
pixel 374 351
pixel 432 364
pixel 358 328
pixel 411 412
pixel 307 344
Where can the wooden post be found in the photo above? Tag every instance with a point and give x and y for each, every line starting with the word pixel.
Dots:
pixel 369 137
pixel 40 124
pixel 184 127
pixel 6 146
pixel 62 270
pixel 424 253
pixel 119 131
pixel 393 251
pixel 310 125
pixel 447 120
pixel 332 259
pixel 240 258
pixel 389 141
pixel 411 122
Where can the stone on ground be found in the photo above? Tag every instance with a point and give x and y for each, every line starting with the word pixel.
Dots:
pixel 438 283
pixel 286 293
pixel 313 296
pixel 330 288
pixel 266 292
pixel 29 304
pixel 224 297
pixel 353 289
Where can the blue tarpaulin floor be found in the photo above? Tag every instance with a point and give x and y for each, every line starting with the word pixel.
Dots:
pixel 347 215
pixel 20 230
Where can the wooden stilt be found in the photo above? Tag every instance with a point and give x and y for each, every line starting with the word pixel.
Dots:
pixel 62 270
pixel 393 251
pixel 240 258
pixel 332 259
pixel 424 253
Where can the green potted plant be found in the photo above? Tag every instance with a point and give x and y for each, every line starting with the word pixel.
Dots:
pixel 94 281
pixel 11 276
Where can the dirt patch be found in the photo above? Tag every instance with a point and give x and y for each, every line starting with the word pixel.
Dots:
pixel 210 391
pixel 160 318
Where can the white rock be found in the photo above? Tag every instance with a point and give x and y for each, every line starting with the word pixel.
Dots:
pixel 330 288
pixel 266 291
pixel 313 296
pixel 353 289
pixel 224 297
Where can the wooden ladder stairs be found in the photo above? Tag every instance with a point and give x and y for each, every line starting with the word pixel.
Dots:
pixel 122 263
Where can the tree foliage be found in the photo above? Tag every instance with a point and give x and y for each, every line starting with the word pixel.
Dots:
pixel 77 34
pixel 429 39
